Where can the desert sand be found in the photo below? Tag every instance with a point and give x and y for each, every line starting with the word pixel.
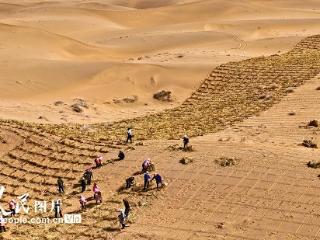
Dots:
pixel 243 76
pixel 100 51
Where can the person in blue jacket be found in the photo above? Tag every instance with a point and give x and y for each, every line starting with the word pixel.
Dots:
pixel 158 179
pixel 147 178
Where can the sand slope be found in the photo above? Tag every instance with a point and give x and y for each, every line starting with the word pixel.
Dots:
pixel 270 193
pixel 102 50
pixel 58 50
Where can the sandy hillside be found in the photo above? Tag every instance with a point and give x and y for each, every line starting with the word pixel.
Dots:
pixel 101 51
pixel 269 194
pixel 245 80
pixel 248 178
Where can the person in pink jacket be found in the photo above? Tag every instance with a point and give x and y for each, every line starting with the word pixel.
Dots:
pixel 83 202
pixel 145 165
pixel 97 193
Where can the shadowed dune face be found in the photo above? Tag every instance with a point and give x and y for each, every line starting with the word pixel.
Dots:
pixel 102 50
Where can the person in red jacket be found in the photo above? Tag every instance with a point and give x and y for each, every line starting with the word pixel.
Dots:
pixel 98 161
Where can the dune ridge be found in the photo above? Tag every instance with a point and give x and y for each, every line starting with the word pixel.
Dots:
pixel 58 51
pixel 231 93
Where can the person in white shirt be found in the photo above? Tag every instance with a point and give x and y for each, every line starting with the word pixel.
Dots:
pixel 129 135
pixel 122 218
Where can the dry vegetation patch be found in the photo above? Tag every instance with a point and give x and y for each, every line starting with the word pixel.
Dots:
pixel 290 90
pixel 77 106
pixel 177 147
pixel 227 161
pixel 309 144
pixel 313 164
pixel 174 147
pixel 186 160
pixel 163 95
pixel 313 123
pixel 130 99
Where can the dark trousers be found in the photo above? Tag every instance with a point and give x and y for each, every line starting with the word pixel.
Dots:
pixel 61 189
pixel 2 229
pixel 146 184
pixel 98 197
pixel 159 184
pixel 13 212
pixel 123 225
pixel 83 206
pixel 128 183
pixel 129 138
pixel 126 211
pixel 83 187
pixel 57 214
pixel 89 181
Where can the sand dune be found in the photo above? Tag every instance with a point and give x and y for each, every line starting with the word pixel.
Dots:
pixel 243 75
pixel 58 50
pixel 268 193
